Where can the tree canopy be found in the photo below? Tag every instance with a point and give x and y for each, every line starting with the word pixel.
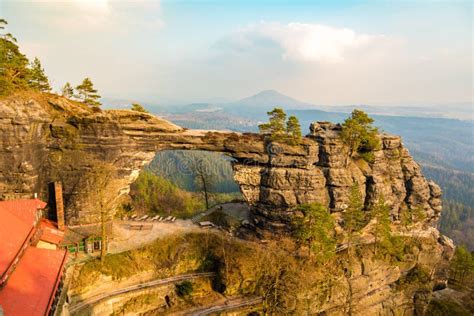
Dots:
pixel 353 215
pixel 293 130
pixel 360 135
pixel 87 94
pixel 14 71
pixel 280 129
pixel 462 264
pixel 67 90
pixel 276 124
pixel 315 229
pixel 38 79
pixel 138 108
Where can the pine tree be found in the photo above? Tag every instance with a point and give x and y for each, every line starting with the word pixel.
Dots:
pixel 67 91
pixel 38 79
pixel 14 72
pixel 353 215
pixel 360 136
pixel 316 230
pixel 139 108
pixel 276 125
pixel 87 94
pixel 381 214
pixel 293 129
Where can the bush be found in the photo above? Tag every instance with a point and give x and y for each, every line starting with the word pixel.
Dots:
pixel 184 289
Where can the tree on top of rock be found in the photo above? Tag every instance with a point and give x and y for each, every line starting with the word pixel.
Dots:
pixel 14 72
pixel 276 129
pixel 38 79
pixel 293 130
pixel 138 108
pixel 87 94
pixel 67 90
pixel 359 134
pixel 275 126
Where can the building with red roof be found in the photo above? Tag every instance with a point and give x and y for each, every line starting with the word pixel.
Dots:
pixel 32 288
pixel 50 236
pixel 30 277
pixel 19 221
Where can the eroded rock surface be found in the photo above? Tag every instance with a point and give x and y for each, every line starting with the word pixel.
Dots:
pixel 43 138
pixel 46 138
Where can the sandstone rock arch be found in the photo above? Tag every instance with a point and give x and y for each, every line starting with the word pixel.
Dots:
pixel 37 133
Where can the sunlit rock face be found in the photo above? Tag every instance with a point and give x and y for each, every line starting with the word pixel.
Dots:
pixel 46 138
pixel 43 138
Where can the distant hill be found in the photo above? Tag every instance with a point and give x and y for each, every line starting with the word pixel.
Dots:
pixel 272 98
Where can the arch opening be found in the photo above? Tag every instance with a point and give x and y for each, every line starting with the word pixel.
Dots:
pixel 188 184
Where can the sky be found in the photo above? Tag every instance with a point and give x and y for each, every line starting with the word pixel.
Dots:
pixel 321 52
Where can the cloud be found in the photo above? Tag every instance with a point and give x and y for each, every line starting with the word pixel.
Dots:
pixel 100 15
pixel 300 41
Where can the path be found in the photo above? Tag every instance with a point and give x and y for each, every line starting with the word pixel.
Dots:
pixel 228 305
pixel 138 287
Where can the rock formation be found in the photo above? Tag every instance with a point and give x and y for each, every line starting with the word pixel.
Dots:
pixel 46 138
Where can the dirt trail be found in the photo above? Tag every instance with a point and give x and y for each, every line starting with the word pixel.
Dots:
pixel 137 287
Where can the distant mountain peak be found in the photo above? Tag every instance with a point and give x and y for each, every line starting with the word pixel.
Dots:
pixel 272 98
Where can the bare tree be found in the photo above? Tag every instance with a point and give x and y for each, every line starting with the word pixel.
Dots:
pixel 205 179
pixel 102 193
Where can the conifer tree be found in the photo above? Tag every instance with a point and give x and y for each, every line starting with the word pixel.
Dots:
pixel 38 79
pixel 276 125
pixel 67 90
pixel 293 129
pixel 359 135
pixel 316 230
pixel 14 72
pixel 87 94
pixel 139 108
pixel 353 215
pixel 381 214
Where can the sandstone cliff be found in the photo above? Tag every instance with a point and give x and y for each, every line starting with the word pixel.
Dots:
pixel 45 138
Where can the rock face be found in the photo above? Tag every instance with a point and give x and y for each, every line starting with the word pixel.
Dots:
pixel 46 138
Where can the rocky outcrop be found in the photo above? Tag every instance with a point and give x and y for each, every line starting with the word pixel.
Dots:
pixel 46 138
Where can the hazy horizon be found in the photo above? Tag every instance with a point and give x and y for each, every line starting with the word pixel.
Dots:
pixel 330 53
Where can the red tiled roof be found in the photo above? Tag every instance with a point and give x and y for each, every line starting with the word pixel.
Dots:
pixel 50 232
pixel 24 209
pixel 31 288
pixel 13 234
pixel 17 218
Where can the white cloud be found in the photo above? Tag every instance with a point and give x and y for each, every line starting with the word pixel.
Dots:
pixel 302 41
pixel 100 15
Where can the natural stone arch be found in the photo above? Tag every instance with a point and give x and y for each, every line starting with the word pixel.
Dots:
pixel 272 177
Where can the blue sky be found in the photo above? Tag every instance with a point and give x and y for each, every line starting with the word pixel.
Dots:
pixel 323 52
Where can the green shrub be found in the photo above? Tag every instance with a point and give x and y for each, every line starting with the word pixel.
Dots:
pixel 184 289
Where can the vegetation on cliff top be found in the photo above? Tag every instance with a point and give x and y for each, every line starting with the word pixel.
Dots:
pixel 276 129
pixel 359 134
pixel 17 73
